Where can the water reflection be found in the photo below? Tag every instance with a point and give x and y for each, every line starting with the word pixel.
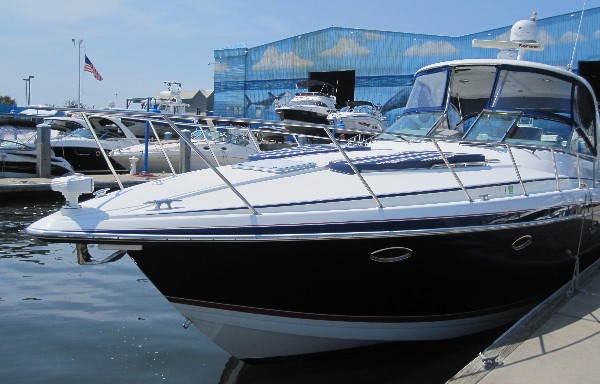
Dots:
pixel 415 362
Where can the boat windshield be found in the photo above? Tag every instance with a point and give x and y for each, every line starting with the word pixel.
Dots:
pixel 520 104
pixel 103 134
pixel 13 145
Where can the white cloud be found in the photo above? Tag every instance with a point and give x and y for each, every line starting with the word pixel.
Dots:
pixel 436 48
pixel 272 59
pixel 597 34
pixel 221 67
pixel 570 37
pixel 544 38
pixel 346 47
pixel 372 36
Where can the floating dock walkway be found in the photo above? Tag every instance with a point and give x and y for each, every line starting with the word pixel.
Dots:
pixel 557 342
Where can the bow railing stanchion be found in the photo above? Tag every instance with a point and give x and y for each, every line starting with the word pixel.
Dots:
pixel 253 139
pixel 512 158
pixel 210 165
pixel 451 169
pixel 162 148
pixel 556 170
pixel 110 166
pixel 354 169
pixel 209 146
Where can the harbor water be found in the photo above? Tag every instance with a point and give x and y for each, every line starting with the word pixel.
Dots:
pixel 61 322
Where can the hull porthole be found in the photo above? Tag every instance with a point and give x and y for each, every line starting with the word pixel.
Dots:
pixel 522 242
pixel 391 255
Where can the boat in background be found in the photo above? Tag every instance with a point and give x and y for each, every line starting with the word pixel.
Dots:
pixel 20 160
pixel 169 102
pixel 74 141
pixel 218 144
pixel 478 203
pixel 358 116
pixel 311 106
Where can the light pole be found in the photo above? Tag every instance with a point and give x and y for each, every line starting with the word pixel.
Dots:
pixel 28 89
pixel 79 42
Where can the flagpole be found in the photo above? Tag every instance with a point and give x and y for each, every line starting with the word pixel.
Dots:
pixel 79 42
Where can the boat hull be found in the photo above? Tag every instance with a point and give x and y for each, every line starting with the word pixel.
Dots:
pixel 87 160
pixel 269 299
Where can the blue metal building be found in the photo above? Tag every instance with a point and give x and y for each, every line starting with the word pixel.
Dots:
pixel 378 66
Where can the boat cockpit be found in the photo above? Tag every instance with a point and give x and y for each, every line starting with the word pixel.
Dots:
pixel 501 103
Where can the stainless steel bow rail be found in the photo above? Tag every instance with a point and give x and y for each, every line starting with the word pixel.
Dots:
pixel 243 123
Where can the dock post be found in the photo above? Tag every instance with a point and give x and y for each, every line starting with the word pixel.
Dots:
pixel 185 152
pixel 43 151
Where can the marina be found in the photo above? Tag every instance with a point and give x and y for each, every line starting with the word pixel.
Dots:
pixel 437 223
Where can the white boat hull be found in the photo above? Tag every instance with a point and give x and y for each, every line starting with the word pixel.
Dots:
pixel 249 336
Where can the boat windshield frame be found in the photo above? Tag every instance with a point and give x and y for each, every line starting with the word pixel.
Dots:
pixel 556 102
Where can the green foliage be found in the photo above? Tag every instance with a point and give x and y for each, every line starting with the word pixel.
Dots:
pixel 7 100
pixel 74 104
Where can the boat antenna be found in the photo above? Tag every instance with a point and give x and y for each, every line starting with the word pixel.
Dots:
pixel 570 66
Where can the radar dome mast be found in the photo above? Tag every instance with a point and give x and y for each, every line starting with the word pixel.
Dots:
pixel 523 37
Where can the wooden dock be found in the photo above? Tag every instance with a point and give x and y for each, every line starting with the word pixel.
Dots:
pixel 557 342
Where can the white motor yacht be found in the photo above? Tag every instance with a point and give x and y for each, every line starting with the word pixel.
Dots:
pixel 478 203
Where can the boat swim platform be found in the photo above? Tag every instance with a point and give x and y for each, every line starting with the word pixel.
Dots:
pixel 557 342
pixel 36 187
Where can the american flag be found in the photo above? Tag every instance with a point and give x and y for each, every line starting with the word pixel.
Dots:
pixel 89 67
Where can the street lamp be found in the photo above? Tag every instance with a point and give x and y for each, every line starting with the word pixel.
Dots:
pixel 28 89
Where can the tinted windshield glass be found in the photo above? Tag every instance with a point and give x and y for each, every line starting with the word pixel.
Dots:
pixel 415 124
pixel 528 90
pixel 429 90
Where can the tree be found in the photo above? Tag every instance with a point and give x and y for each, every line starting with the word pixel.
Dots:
pixel 74 104
pixel 7 100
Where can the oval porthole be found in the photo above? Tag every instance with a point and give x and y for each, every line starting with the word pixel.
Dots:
pixel 522 242
pixel 391 255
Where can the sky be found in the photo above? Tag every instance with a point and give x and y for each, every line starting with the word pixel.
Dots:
pixel 137 45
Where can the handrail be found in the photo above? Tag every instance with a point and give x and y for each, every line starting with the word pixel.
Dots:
pixel 356 171
pixel 556 170
pixel 517 169
pixel 161 147
pixel 451 169
pixel 110 166
pixel 210 165
pixel 253 140
pixel 209 147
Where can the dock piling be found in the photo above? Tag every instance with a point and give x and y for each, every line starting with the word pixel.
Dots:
pixel 43 151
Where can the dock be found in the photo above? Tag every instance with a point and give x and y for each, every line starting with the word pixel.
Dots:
pixel 557 342
pixel 22 187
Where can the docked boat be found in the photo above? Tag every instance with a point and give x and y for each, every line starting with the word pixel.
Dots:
pixel 220 146
pixel 475 205
pixel 310 106
pixel 20 160
pixel 168 101
pixel 358 116
pixel 79 147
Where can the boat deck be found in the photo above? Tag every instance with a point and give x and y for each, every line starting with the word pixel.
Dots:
pixel 558 342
